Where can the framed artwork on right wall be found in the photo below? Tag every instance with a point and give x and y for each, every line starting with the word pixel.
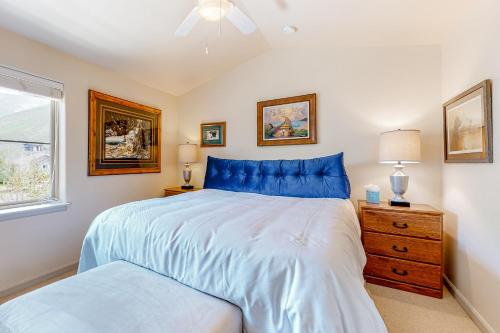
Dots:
pixel 468 129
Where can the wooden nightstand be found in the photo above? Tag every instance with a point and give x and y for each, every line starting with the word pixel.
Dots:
pixel 404 247
pixel 178 190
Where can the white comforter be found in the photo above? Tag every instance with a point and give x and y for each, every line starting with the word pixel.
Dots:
pixel 292 265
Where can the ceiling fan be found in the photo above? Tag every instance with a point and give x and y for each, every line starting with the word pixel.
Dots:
pixel 215 10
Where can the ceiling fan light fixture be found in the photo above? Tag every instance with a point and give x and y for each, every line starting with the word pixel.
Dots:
pixel 213 10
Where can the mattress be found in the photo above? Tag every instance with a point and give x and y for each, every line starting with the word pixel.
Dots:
pixel 118 297
pixel 292 265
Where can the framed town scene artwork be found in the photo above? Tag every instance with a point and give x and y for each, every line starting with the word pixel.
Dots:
pixel 468 131
pixel 213 134
pixel 124 137
pixel 287 121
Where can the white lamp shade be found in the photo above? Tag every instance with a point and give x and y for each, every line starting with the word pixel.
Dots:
pixel 400 146
pixel 188 153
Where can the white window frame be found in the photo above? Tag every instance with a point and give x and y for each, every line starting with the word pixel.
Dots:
pixel 36 85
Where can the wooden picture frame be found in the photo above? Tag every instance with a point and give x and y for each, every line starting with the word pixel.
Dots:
pixel 124 137
pixel 468 129
pixel 287 121
pixel 213 134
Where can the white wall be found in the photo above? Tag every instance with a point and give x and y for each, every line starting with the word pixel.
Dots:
pixel 471 192
pixel 34 246
pixel 361 92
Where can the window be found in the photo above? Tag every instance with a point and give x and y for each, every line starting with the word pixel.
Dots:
pixel 29 108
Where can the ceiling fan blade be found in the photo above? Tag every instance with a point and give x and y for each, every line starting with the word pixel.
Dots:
pixel 188 24
pixel 241 21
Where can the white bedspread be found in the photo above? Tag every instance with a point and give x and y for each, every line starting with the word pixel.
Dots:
pixel 118 298
pixel 292 265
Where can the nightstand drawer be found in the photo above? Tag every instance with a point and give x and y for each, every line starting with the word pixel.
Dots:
pixel 171 193
pixel 405 271
pixel 178 190
pixel 406 224
pixel 408 248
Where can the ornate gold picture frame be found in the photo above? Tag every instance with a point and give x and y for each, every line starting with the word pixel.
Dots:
pixel 124 137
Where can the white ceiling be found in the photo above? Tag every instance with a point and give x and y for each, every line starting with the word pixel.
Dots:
pixel 136 37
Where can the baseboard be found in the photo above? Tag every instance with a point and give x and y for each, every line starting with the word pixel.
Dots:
pixel 38 280
pixel 468 307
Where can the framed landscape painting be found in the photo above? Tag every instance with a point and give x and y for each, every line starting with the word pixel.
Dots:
pixel 287 121
pixel 468 131
pixel 213 134
pixel 124 137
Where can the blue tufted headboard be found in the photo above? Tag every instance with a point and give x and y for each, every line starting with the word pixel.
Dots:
pixel 323 177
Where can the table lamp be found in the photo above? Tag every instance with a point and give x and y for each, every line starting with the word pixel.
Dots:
pixel 188 153
pixel 399 147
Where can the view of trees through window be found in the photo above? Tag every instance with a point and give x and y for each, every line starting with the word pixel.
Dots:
pixel 25 148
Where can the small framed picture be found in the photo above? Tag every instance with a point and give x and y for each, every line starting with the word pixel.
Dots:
pixel 213 134
pixel 287 121
pixel 468 130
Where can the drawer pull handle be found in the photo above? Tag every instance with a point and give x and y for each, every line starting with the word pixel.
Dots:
pixel 400 226
pixel 404 249
pixel 403 273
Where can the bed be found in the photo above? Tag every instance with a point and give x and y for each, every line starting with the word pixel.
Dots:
pixel 278 239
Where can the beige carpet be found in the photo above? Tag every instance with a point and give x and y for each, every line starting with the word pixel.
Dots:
pixel 37 286
pixel 402 312
pixel 405 312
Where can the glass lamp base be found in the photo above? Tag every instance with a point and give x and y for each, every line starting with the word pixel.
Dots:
pixel 186 174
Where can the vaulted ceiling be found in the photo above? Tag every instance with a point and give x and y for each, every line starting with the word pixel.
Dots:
pixel 136 37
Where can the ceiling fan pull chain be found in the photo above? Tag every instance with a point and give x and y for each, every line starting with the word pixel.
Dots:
pixel 220 18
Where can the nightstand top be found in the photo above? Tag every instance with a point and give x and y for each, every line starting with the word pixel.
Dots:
pixel 384 206
pixel 181 190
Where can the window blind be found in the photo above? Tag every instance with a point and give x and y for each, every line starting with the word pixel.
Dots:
pixel 32 84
